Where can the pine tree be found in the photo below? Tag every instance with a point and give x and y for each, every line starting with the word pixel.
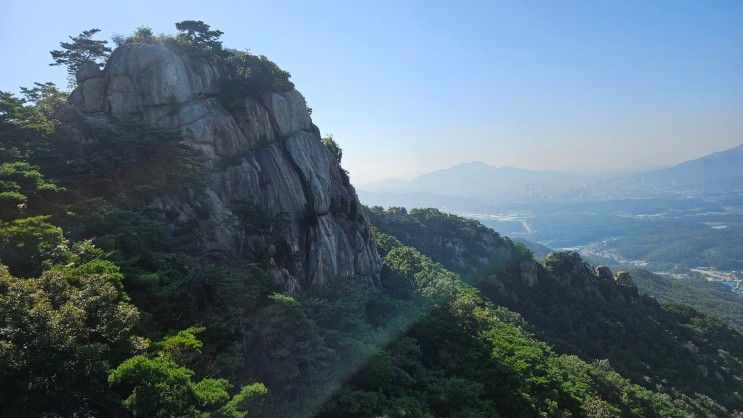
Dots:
pixel 82 49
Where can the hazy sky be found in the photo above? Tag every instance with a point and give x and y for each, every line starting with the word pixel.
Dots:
pixel 407 87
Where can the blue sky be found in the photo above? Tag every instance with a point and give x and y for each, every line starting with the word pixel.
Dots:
pixel 408 87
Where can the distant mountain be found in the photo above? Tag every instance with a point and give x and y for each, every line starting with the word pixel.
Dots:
pixel 474 185
pixel 479 180
pixel 720 169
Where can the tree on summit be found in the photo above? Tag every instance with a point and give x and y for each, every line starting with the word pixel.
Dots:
pixel 82 49
pixel 199 36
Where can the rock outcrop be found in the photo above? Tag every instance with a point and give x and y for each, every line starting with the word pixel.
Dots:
pixel 626 286
pixel 263 151
pixel 604 273
pixel 570 270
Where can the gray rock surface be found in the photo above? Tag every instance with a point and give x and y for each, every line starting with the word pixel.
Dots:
pixel 528 270
pixel 87 70
pixel 263 151
pixel 604 273
pixel 574 274
pixel 627 286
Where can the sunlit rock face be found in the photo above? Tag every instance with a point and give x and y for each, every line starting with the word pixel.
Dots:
pixel 264 151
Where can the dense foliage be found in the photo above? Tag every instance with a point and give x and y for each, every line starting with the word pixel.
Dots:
pixel 464 357
pixel 667 347
pixel 712 298
pixel 463 245
pixel 62 332
pixel 158 386
pixel 253 75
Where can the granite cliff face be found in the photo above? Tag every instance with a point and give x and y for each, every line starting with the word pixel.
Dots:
pixel 263 151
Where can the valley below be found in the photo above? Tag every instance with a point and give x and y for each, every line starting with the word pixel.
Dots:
pixel 676 249
pixel 681 248
pixel 701 241
pixel 694 230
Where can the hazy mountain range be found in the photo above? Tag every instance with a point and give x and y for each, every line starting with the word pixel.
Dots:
pixel 479 180
pixel 722 169
pixel 477 183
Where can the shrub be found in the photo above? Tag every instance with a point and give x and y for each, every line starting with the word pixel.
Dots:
pixel 158 385
pixel 133 160
pixel 143 35
pixel 253 75
pixel 333 147
pixel 25 244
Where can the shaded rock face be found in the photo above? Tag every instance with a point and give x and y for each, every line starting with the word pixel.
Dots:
pixel 571 271
pixel 627 286
pixel 264 151
pixel 529 270
pixel 604 273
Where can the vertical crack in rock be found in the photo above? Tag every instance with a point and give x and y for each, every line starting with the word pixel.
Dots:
pixel 309 198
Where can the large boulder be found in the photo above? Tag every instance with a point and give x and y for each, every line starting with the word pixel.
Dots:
pixel 627 286
pixel 87 70
pixel 604 273
pixel 263 151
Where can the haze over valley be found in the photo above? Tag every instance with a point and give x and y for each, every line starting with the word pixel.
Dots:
pixel 686 219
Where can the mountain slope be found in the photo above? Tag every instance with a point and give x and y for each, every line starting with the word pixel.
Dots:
pixel 463 356
pixel 712 298
pixel 595 315
pixel 719 169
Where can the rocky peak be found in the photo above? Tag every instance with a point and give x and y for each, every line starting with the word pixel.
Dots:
pixel 604 273
pixel 623 278
pixel 627 286
pixel 569 269
pixel 263 151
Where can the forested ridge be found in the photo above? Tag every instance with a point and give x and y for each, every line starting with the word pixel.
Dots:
pixel 579 311
pixel 713 298
pixel 110 308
